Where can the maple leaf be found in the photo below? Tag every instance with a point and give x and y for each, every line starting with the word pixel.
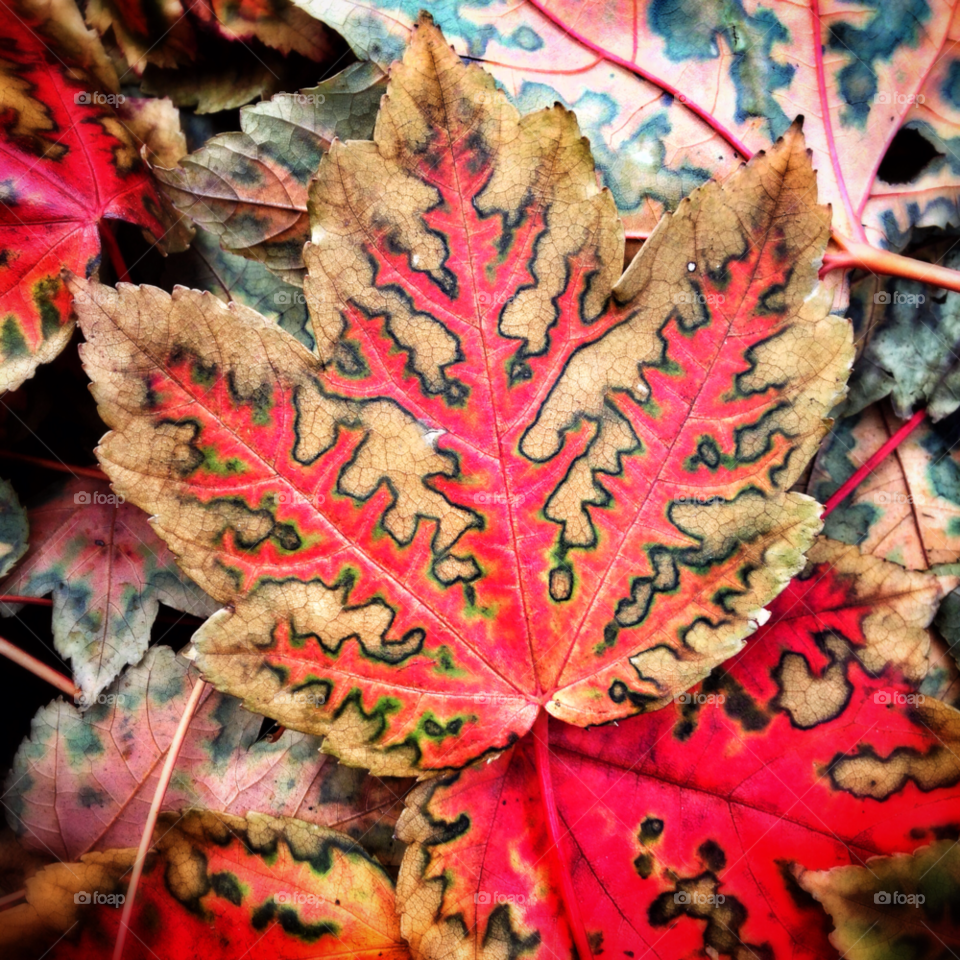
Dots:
pixel 908 510
pixel 220 886
pixel 14 528
pixel 66 163
pixel 811 746
pixel 892 906
pixel 250 188
pixel 909 342
pixel 108 572
pixel 512 480
pixel 84 781
pixel 207 266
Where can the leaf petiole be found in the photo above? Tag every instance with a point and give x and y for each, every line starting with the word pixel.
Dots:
pixel 541 739
pixel 853 253
pixel 37 667
pixel 873 462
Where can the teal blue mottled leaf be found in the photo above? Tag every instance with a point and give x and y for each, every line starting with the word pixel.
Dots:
pixel 907 510
pixel 250 188
pixel 84 781
pixel 908 335
pixel 108 573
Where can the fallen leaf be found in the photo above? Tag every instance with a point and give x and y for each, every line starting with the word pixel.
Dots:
pixel 277 23
pixel 908 509
pixel 108 573
pixel 146 31
pixel 221 886
pixel 250 188
pixel 66 163
pixel 437 526
pixel 904 905
pixel 811 745
pixel 155 123
pixel 909 342
pixel 224 77
pixel 85 781
pixel 854 74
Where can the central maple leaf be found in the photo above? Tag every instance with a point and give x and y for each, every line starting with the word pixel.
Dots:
pixel 511 481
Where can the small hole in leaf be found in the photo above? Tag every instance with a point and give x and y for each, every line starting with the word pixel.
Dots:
pixel 907 157
pixel 268 728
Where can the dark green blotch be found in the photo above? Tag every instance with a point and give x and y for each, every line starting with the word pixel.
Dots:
pixel 291 923
pixel 650 829
pixel 12 341
pixel 693 30
pixel 226 885
pixel 712 855
pixel 644 865
pixel 88 797
pixel 44 293
pixel 737 703
pixel 892 26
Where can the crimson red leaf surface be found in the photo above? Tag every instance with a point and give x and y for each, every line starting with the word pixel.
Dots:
pixel 66 163
pixel 811 746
